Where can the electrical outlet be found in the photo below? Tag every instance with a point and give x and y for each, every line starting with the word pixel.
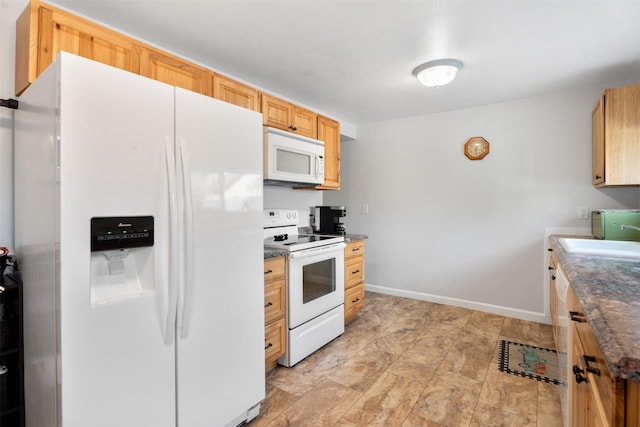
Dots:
pixel 583 212
pixel 365 208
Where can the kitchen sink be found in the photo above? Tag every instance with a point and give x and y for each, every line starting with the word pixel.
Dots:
pixel 615 248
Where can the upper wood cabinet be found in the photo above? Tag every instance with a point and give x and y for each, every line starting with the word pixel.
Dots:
pixel 329 132
pixel 43 31
pixel 616 137
pixel 233 92
pixel 169 69
pixel 281 114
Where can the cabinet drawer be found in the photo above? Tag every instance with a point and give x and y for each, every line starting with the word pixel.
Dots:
pixel 274 301
pixel 354 249
pixel 353 272
pixel 353 302
pixel 274 340
pixel 274 269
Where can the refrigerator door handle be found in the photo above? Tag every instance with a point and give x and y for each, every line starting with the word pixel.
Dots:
pixel 172 281
pixel 185 165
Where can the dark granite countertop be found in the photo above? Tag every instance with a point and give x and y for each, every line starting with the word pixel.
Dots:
pixel 348 238
pixel 608 290
pixel 273 253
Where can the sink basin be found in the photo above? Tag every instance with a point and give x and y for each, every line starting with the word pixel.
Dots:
pixel 615 248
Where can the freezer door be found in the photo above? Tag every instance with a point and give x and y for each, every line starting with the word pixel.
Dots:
pixel 116 140
pixel 221 315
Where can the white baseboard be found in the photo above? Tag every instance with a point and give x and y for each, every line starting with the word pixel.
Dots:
pixel 488 308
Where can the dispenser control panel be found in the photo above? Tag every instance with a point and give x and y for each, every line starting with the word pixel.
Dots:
pixel 121 232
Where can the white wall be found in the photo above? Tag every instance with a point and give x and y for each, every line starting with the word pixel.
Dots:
pixel 276 197
pixel 471 233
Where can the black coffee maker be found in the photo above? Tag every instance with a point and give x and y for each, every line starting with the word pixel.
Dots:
pixel 328 219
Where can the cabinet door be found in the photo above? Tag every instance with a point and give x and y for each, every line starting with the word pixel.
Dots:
pixel 274 301
pixel 276 112
pixel 579 390
pixel 616 132
pixel 597 142
pixel 354 249
pixel 353 271
pixel 353 302
pixel 174 71
pixel 305 122
pixel 622 133
pixel 274 340
pixel 235 93
pixel 329 132
pixel 59 31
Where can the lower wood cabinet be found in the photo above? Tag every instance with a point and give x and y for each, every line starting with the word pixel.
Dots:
pixel 598 398
pixel 553 297
pixel 353 280
pixel 275 306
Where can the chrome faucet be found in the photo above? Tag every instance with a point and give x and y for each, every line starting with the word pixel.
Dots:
pixel 633 227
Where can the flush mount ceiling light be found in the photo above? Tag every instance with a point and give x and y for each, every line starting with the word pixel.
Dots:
pixel 437 73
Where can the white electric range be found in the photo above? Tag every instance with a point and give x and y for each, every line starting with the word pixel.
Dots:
pixel 315 283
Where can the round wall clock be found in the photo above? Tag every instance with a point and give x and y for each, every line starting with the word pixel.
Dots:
pixel 476 148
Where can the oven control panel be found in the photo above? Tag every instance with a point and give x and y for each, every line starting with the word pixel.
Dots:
pixel 280 217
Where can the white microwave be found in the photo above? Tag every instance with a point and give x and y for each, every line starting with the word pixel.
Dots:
pixel 292 160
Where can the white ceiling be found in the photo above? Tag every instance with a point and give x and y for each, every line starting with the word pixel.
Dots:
pixel 353 59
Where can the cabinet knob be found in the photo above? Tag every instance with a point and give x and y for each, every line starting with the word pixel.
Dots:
pixel 598 177
pixel 577 317
pixel 590 369
pixel 578 373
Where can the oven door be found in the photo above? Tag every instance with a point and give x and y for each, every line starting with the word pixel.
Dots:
pixel 316 282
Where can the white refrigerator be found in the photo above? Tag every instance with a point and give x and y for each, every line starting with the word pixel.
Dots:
pixel 139 235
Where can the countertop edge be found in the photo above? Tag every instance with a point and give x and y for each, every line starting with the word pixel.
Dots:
pixel 585 273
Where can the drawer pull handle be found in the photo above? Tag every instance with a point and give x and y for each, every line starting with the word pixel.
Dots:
pixel 356 272
pixel 577 317
pixel 578 373
pixel 356 300
pixel 355 249
pixel 269 304
pixel 268 271
pixel 590 369
pixel 268 346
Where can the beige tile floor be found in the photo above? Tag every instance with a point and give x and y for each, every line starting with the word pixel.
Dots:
pixel 413 363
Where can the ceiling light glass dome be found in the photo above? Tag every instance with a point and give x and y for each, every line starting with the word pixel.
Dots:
pixel 437 73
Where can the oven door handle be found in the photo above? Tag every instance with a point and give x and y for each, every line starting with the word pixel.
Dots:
pixel 315 251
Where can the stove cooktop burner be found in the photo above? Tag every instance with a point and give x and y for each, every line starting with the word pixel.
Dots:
pixel 293 242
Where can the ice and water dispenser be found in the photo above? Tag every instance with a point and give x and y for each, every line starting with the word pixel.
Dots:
pixel 121 258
